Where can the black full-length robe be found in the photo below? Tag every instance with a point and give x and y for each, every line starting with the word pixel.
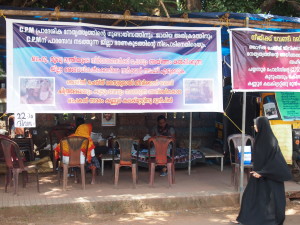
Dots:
pixel 263 201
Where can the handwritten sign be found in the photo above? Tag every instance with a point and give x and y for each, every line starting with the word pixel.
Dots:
pixel 25 119
pixel 283 133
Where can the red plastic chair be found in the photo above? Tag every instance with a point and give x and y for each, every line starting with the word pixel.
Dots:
pixel 75 145
pixel 161 158
pixel 26 146
pixel 236 140
pixel 55 135
pixel 125 146
pixel 15 164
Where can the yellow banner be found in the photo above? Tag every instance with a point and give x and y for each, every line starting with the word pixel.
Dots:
pixel 283 133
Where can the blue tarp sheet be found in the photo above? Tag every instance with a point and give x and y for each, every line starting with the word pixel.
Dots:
pixel 206 15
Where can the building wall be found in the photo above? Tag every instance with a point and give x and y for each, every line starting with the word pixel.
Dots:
pixel 136 125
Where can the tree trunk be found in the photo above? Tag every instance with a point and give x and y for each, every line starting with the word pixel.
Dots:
pixel 17 3
pixel 267 5
pixel 294 4
pixel 194 5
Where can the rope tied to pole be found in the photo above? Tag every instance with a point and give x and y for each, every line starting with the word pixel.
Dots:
pixel 233 122
pixel 2 14
pixel 268 23
pixel 225 114
pixel 4 114
pixel 57 12
pixel 126 15
pixel 225 19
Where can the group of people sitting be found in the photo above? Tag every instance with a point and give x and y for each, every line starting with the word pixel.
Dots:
pixel 84 130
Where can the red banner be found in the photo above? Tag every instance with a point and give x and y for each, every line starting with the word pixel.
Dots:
pixel 265 61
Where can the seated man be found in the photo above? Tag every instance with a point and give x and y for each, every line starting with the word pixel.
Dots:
pixel 163 129
pixel 14 132
pixel 83 130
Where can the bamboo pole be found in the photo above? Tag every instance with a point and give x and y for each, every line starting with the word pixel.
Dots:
pixel 164 7
pixel 214 22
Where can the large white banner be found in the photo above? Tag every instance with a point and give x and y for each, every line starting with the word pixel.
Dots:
pixel 62 67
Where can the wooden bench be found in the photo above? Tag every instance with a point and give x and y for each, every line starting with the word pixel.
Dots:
pixel 210 153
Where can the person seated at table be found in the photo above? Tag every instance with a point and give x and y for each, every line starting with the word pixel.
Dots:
pixel 16 132
pixel 163 129
pixel 83 130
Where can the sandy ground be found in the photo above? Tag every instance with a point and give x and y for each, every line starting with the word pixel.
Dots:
pixel 208 216
pixel 203 179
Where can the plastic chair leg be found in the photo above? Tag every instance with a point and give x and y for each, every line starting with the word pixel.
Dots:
pixel 237 177
pixel 137 172
pixel 152 172
pixel 54 161
pixel 133 168
pixel 82 171
pixel 232 175
pixel 59 175
pixel 170 172
pixel 65 176
pixel 37 179
pixel 25 178
pixel 117 170
pixel 8 178
pixel 173 173
pixel 16 181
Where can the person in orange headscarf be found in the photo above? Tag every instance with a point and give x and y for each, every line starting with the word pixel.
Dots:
pixel 83 130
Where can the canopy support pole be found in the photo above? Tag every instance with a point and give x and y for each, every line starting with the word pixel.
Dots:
pixel 241 190
pixel 190 142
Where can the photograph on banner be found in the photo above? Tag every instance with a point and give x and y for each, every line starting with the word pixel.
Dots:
pixel 37 90
pixel 109 119
pixel 198 91
pixel 264 60
pixel 93 68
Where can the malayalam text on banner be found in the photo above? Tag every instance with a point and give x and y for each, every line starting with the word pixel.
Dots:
pixel 265 61
pixel 289 105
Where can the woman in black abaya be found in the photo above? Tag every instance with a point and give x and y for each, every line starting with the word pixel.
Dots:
pixel 263 201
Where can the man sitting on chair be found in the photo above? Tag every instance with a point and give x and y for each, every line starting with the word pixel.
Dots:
pixel 83 130
pixel 163 129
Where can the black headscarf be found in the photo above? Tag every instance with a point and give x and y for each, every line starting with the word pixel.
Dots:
pixel 268 160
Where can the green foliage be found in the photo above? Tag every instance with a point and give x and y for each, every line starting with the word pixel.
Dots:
pixel 241 6
pixel 279 7
pixel 283 8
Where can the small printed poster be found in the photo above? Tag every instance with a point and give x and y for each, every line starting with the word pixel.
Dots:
pixel 108 119
pixel 283 133
pixel 288 105
pixel 270 110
